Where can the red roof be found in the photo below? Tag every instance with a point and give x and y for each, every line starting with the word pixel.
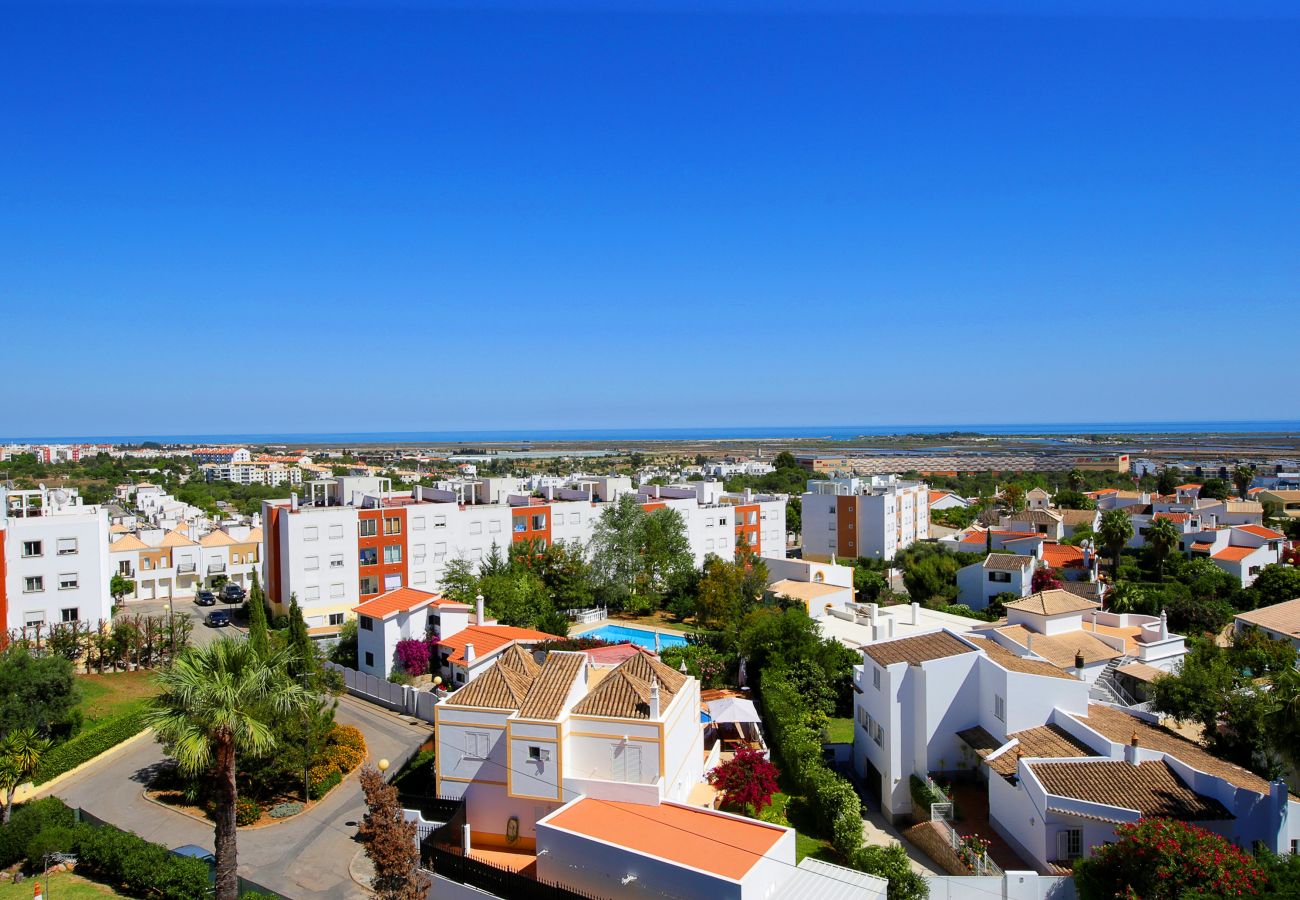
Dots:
pixel 488 640
pixel 609 656
pixel 1187 487
pixel 402 599
pixel 1235 554
pixel 1062 556
pixel 1173 517
pixel 701 839
pixel 1203 545
pixel 1260 531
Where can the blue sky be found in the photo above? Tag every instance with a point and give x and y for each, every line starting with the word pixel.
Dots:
pixel 412 216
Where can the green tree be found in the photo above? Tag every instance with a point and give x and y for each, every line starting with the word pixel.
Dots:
pixel 868 585
pixel 639 554
pixel 460 581
pixel 1275 584
pixel 258 635
pixel 1169 479
pixel 932 578
pixel 20 756
pixel 1214 489
pixel 35 692
pixel 1013 495
pixel 218 702
pixel 302 660
pixel 567 576
pixel 119 586
pixel 785 460
pixel 1114 532
pixel 1163 536
pixel 891 862
pixel 344 651
pixel 721 601
pixel 1075 481
pixel 1242 476
pixel 1073 500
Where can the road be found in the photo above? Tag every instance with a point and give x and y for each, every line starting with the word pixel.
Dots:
pixel 306 856
pixel 202 635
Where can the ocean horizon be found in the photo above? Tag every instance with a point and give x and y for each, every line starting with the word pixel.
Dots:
pixel 718 433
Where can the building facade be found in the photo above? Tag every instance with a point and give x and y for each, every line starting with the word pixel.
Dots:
pixel 873 518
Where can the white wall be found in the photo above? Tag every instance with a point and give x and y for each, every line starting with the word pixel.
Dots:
pixel 90 564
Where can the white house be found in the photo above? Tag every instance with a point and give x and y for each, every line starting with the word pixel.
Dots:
pixel 1240 550
pixel 1281 621
pixel 997 573
pixel 820 587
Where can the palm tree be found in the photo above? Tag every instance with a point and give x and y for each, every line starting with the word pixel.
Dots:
pixel 1163 536
pixel 217 701
pixel 1242 476
pixel 20 756
pixel 1115 530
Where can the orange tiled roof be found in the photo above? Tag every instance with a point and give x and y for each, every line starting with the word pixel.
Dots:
pixel 127 542
pixel 1062 556
pixel 1180 518
pixel 1235 554
pixel 488 639
pixel 1202 545
pixel 400 600
pixel 725 845
pixel 918 649
pixel 1186 487
pixel 1260 531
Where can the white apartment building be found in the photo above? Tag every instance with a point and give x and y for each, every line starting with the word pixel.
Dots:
pixel 172 564
pixel 54 564
pixel 350 539
pixel 872 517
pixel 255 472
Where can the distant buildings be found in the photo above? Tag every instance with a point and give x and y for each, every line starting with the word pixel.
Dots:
pixel 54 562
pixel 869 517
pixel 959 463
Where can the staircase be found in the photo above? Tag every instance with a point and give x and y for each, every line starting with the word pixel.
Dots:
pixel 1107 689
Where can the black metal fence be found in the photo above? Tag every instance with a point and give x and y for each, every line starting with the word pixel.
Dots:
pixel 431 806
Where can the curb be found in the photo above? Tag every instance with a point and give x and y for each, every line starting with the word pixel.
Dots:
pixel 30 791
pixel 239 828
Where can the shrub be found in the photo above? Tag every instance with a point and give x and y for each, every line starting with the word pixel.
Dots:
pixel 247 811
pixel 348 736
pixel 285 810
pixel 329 781
pixel 397 676
pixel 120 858
pixel 53 839
pixel 27 822
pixel 413 656
pixel 88 744
pixel 345 759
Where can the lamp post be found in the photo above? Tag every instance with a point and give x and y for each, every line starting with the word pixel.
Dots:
pixel 171 628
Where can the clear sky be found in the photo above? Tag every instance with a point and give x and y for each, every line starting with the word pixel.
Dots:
pixel 414 216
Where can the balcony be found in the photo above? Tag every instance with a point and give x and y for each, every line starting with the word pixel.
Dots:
pixel 216 568
pixel 185 568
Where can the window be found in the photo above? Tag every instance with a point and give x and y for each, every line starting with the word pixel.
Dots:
pixel 365 623
pixel 336 532
pixel 310 533
pixel 539 522
pixel 417 523
pixel 1000 577
pixel 534 752
pixel 1070 843
pixel 336 618
pixel 311 593
pixel 999 707
pixel 369 556
pixel 559 518
pixel 475 527
pixel 69 581
pixel 66 546
pixel 33 583
pixel 369 585
pixel 439 521
pixel 336 560
pixel 879 736
pixel 336 590
pixel 311 563
pixel 124 568
pixel 1254 570
pixel 440 550
pixel 69 614
pixel 392 525
pixel 32 548
pixel 368 527
pixel 494 527
pixel 393 554
pixel 392 582
pixel 34 619
pixel 370 658
pixel 477 744
pixel 875 678
pixel 575 518
pixel 419 578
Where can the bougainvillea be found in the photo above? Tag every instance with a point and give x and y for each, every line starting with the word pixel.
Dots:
pixel 1165 859
pixel 1046 579
pixel 747 780
pixel 413 656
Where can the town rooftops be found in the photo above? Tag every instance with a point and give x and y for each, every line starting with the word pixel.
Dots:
pixel 1052 602
pixel 487 639
pixel 1141 671
pixel 1283 618
pixel 1008 561
pixel 1188 487
pixel 499 687
pixel 1062 556
pixel 217 539
pixel 918 649
pixel 1014 663
pixel 1043 742
pixel 404 599
pixel 551 685
pixel 1235 554
pixel 1036 516
pixel 1150 788
pixel 1077 516
pixel 175 538
pixel 1062 649
pixel 127 542
pixel 1261 531
pixel 625 692
pixel 718 843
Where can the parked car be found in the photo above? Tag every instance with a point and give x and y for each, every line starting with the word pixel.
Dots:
pixel 232 593
pixel 206 598
pixel 218 618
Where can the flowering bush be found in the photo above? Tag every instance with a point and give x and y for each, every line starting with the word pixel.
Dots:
pixel 348 736
pixel 747 780
pixel 247 812
pixel 972 852
pixel 413 656
pixel 1165 859
pixel 1044 580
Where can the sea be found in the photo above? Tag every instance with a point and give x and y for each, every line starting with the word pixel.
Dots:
pixel 716 433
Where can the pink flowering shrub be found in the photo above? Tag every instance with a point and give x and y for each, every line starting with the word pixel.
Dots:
pixel 413 656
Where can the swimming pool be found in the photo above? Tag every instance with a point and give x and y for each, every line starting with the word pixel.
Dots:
pixel 639 636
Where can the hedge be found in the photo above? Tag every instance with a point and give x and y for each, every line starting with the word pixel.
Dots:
pixel 27 821
pixel 127 861
pixel 89 744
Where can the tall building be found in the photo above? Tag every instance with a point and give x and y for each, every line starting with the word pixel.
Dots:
pixel 350 538
pixel 872 517
pixel 54 564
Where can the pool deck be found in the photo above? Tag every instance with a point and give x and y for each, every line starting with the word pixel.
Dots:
pixel 576 630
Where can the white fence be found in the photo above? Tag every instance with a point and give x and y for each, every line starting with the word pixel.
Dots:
pixel 397 697
pixel 1008 886
pixel 587 616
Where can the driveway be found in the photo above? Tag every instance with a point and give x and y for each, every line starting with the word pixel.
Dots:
pixel 307 856
pixel 202 635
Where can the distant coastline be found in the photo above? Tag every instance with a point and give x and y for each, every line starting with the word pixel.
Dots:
pixel 721 433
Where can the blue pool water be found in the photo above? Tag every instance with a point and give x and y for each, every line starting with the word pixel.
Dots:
pixel 639 636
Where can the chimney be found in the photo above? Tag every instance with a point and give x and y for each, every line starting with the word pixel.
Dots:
pixel 1078 662
pixel 889 627
pixel 1029 643
pixel 873 610
pixel 916 613
pixel 1164 625
pixel 478 609
pixel 469 654
pixel 654 698
pixel 293 502
pixel 749 495
pixel 1131 750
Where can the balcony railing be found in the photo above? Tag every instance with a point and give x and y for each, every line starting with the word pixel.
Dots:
pixel 214 568
pixel 185 568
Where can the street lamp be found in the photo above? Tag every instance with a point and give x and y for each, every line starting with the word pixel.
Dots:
pixel 383 765
pixel 171 627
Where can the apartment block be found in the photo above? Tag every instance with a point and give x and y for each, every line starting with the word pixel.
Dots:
pixel 872 517
pixel 54 564
pixel 170 563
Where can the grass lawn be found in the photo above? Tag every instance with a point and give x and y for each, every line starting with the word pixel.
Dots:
pixel 63 885
pixel 841 730
pixel 115 693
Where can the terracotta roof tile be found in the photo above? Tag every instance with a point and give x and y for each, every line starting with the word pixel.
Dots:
pixel 399 600
pixel 1260 531
pixel 1060 649
pixel 1280 617
pixel 1235 554
pixel 551 685
pixel 521 660
pixel 1151 788
pixel 645 665
pixel 917 649
pixel 1043 742
pixel 497 687
pixel 1052 602
pixel 488 639
pixel 619 695
pixel 1036 516
pixel 1062 556
pixel 1008 561
pixel 217 538
pixel 127 542
pixel 1013 663
pixel 175 539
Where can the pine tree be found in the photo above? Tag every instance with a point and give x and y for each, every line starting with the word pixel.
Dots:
pixel 258 636
pixel 302 655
